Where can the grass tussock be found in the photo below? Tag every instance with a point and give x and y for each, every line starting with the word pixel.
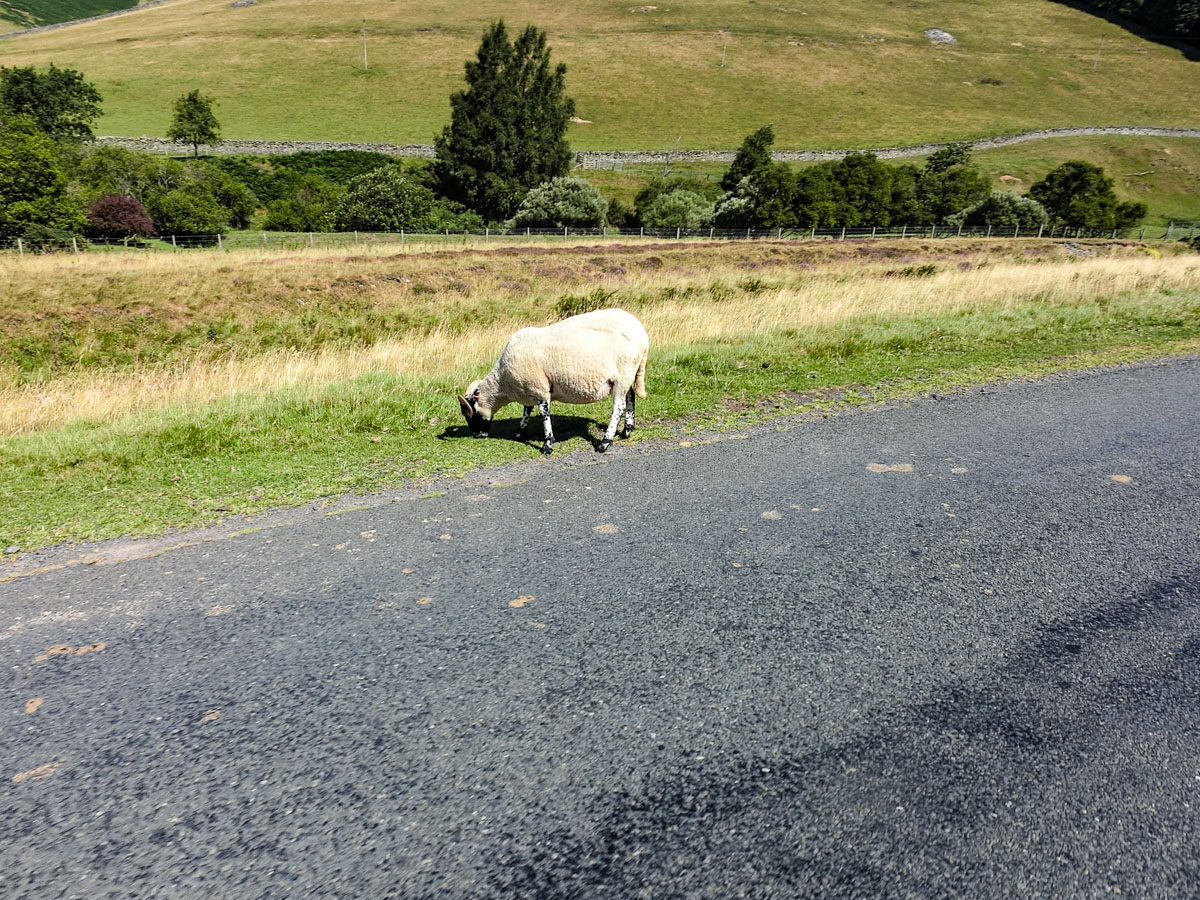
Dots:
pixel 118 421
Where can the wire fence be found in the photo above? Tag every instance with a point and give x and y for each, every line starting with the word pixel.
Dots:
pixel 276 240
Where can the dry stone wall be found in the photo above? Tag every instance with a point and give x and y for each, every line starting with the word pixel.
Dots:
pixel 281 148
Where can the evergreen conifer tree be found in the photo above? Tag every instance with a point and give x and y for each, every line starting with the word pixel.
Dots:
pixel 507 130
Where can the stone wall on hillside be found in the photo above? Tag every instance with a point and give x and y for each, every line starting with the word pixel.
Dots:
pixel 282 148
pixel 108 15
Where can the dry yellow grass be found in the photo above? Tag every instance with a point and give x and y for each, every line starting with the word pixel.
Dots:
pixel 452 355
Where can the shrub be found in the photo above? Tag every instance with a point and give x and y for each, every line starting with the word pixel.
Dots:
pixel 679 209
pixel 562 202
pixel 114 217
pixel 1079 195
pixel 33 183
pixel 385 200
pixel 310 207
pixel 46 239
pixel 620 214
pixel 709 190
pixel 1004 209
pixel 188 211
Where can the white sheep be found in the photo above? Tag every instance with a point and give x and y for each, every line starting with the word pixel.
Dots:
pixel 582 359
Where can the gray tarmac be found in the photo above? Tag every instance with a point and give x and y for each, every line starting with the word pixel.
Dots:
pixel 950 649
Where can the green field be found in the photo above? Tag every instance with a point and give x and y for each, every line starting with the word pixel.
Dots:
pixel 27 13
pixel 854 74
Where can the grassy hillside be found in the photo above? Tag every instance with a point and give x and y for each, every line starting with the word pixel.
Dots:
pixel 27 13
pixel 857 73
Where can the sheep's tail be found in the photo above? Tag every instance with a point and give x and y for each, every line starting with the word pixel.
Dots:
pixel 639 380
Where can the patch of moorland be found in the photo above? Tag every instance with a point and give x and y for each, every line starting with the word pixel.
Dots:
pixel 147 434
pixel 692 75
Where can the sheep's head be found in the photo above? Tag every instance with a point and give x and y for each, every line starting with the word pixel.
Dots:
pixel 478 417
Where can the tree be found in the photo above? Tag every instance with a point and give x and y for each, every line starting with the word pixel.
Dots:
pixel 948 184
pixel 1003 209
pixel 387 200
pixel 33 183
pixel 193 121
pixel 1078 194
pixel 58 101
pixel 862 190
pixel 570 202
pixel 308 207
pixel 754 154
pixel 507 130
pixel 657 187
pixel 679 209
pixel 114 217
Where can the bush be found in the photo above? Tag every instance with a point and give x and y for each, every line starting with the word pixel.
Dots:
pixel 1079 195
pixel 562 202
pixel 709 190
pixel 46 239
pixel 310 207
pixel 1003 209
pixel 679 209
pixel 620 214
pixel 385 200
pixel 33 183
pixel 114 217
pixel 188 211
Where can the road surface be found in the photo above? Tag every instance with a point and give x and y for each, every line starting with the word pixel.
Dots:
pixel 948 649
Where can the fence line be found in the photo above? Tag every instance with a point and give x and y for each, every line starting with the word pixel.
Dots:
pixel 299 240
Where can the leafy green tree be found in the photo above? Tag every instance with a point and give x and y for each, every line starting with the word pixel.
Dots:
pixel 754 154
pixel 906 202
pixel 764 199
pixel 193 121
pixel 309 207
pixel 507 130
pixel 1078 194
pixel 188 210
pixel 570 202
pixel 58 101
pixel 33 183
pixel 709 190
pixel 862 191
pixel 679 209
pixel 813 202
pixel 1003 209
pixel 948 157
pixel 385 199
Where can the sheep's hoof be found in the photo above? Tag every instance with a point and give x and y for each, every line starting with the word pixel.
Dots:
pixel 604 445
pixel 547 449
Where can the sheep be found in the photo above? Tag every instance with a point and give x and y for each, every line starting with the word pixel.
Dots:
pixel 582 359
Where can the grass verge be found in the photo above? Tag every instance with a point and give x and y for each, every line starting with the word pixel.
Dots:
pixel 134 431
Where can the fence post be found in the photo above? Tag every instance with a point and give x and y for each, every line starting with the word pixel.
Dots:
pixel 843 232
pixel 220 243
pixel 989 234
pixel 20 248
pixel 778 233
pixel 872 231
pixel 747 234
pixel 933 231
pixel 1040 227
pixel 1170 228
pixel 564 232
pixel 173 244
pixel 710 232
pixel 677 232
pixel 487 235
pixel 1017 230
pixel 812 235
pixel 75 243
pixel 903 232
pixel 1142 236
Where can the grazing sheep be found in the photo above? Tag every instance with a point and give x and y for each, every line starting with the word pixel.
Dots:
pixel 582 359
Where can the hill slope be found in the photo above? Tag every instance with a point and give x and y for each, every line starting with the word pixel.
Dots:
pixel 646 76
pixel 29 13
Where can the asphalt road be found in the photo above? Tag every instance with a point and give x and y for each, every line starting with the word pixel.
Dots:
pixel 945 650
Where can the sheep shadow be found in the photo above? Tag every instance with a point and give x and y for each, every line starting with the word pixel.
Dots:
pixel 565 428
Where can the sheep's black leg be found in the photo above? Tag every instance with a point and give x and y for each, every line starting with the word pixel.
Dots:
pixel 544 409
pixel 524 420
pixel 630 402
pixel 618 411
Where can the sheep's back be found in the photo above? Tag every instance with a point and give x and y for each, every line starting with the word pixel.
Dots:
pixel 572 361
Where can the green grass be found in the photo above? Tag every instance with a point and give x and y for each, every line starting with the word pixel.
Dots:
pixel 182 467
pixel 853 74
pixel 48 12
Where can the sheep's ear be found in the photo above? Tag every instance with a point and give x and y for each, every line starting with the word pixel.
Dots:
pixel 467 409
